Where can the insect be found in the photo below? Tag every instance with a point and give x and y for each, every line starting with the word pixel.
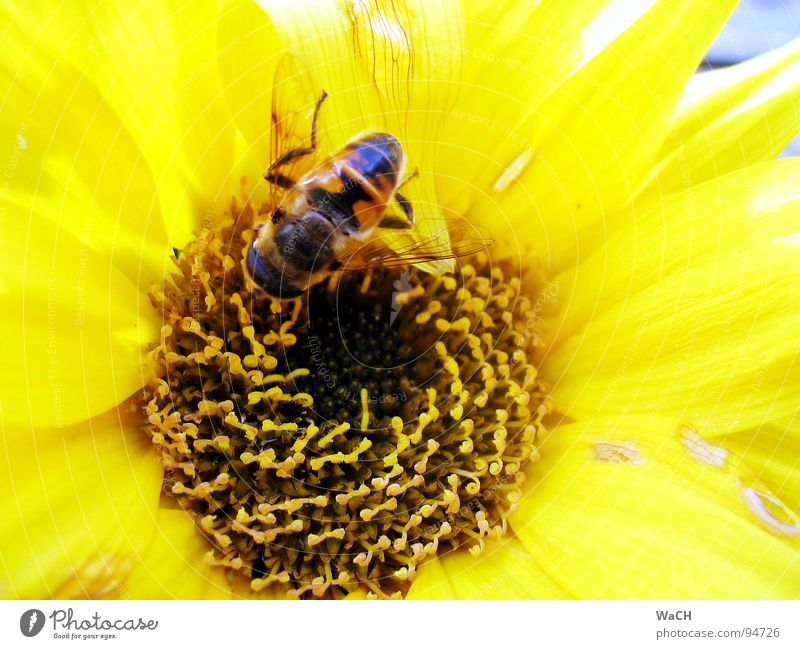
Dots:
pixel 327 220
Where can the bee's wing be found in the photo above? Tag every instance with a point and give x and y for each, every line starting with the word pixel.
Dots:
pixel 294 98
pixel 376 252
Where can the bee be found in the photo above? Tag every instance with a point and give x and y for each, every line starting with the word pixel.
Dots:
pixel 327 220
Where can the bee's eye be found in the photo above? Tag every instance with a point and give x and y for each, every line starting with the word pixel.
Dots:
pixel 253 261
pixel 268 277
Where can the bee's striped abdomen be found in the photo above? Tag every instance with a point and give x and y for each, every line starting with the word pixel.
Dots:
pixel 354 187
pixel 376 157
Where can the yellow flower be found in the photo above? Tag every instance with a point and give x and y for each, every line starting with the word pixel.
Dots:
pixel 658 296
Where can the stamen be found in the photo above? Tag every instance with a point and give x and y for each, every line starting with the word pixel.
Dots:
pixel 346 436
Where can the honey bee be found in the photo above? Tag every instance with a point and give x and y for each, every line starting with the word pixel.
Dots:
pixel 326 221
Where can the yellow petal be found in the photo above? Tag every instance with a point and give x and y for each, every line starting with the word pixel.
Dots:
pixel 72 161
pixel 731 118
pixel 248 75
pixel 431 582
pixel 74 328
pixel 504 570
pixel 156 67
pixel 639 507
pixel 172 564
pixel 515 56
pixel 690 311
pixel 773 453
pixel 577 156
pixel 387 67
pixel 78 505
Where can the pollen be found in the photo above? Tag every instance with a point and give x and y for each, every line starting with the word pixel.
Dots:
pixel 337 441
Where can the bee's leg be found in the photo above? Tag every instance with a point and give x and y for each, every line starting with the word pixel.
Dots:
pixel 408 210
pixel 280 179
pixel 411 176
pixel 314 120
pixel 396 222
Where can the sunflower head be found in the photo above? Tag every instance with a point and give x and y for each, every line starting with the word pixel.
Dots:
pixel 602 403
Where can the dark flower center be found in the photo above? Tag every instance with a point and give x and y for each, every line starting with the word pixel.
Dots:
pixel 344 437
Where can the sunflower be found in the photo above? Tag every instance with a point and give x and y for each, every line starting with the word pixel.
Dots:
pixel 602 404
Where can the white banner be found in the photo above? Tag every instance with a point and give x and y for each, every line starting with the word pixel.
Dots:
pixel 385 625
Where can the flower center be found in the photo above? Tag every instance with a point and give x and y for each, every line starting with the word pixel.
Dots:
pixel 343 437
